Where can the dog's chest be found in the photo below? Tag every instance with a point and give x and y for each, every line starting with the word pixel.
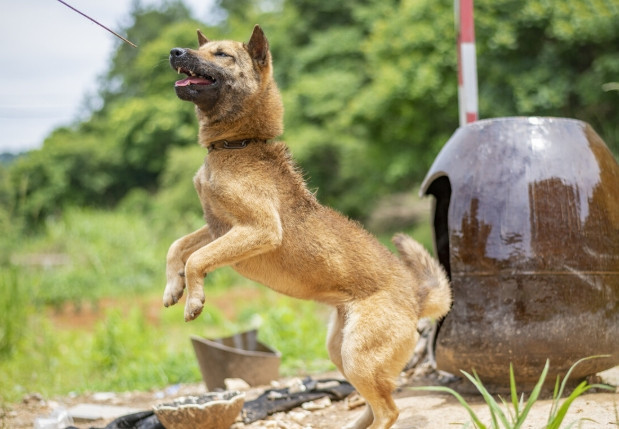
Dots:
pixel 202 182
pixel 212 192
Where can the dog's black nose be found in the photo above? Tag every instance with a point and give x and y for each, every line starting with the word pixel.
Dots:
pixel 177 52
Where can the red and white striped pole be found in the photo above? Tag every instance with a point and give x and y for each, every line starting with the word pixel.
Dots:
pixel 467 63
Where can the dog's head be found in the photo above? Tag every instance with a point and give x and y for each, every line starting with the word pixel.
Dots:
pixel 222 76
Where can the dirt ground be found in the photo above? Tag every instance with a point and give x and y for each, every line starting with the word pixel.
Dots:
pixel 419 410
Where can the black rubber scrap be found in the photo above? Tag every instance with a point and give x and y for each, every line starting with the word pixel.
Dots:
pixel 140 420
pixel 278 400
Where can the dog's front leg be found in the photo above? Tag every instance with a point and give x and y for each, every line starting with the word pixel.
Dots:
pixel 239 243
pixel 177 257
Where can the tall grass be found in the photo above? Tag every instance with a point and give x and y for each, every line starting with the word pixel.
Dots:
pixel 136 355
pixel 120 256
pixel 128 351
pixel 14 311
pixel 102 254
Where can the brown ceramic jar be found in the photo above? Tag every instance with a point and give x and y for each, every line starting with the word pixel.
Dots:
pixel 526 222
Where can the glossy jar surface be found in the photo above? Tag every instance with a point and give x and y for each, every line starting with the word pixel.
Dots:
pixel 526 222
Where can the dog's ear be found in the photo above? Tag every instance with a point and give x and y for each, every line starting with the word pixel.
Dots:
pixel 258 46
pixel 201 38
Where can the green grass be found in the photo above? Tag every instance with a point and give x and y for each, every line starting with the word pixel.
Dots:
pixel 117 259
pixel 101 254
pixel 126 350
pixel 122 353
pixel 14 309
pixel 112 263
pixel 514 415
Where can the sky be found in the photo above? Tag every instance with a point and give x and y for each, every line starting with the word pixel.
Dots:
pixel 50 60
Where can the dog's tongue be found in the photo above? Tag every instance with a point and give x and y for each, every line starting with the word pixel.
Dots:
pixel 193 80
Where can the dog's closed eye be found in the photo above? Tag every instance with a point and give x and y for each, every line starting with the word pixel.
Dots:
pixel 222 54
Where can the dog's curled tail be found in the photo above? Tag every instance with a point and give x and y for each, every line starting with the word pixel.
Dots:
pixel 434 291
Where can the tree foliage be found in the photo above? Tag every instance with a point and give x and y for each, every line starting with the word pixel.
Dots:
pixel 550 58
pixel 369 88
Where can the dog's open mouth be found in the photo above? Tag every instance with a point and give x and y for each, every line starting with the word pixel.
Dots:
pixel 193 78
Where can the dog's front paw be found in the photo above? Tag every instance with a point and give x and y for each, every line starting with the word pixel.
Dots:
pixel 174 289
pixel 193 307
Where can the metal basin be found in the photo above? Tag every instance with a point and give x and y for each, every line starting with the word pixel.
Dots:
pixel 526 222
pixel 239 356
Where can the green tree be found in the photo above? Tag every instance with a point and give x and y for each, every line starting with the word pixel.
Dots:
pixel 369 88
pixel 72 168
pixel 539 57
pixel 125 78
pixel 122 145
pixel 371 96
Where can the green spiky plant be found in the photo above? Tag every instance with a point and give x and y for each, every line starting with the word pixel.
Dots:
pixel 517 414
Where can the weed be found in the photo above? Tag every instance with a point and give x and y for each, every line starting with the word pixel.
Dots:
pixel 517 415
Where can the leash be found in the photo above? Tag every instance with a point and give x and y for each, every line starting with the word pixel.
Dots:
pixel 98 23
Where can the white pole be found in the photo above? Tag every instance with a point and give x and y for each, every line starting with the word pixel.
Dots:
pixel 467 63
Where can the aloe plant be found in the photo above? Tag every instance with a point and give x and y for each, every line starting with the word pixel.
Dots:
pixel 504 416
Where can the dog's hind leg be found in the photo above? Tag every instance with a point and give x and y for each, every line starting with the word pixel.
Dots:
pixel 334 346
pixel 376 345
pixel 178 254
pixel 380 410
pixel 334 338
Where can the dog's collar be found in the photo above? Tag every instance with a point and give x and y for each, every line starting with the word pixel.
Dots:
pixel 230 144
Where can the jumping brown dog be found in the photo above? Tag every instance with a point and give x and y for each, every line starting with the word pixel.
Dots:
pixel 263 221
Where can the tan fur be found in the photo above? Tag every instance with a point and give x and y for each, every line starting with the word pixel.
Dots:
pixel 262 220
